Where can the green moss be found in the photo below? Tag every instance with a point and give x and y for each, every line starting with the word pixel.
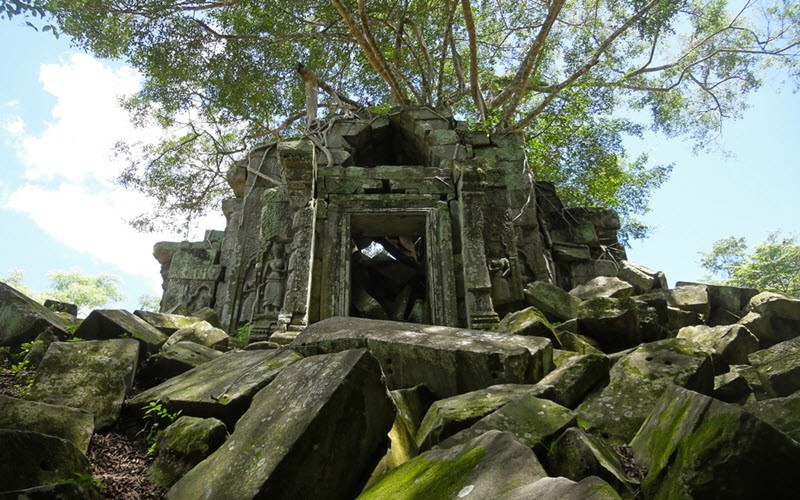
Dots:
pixel 420 478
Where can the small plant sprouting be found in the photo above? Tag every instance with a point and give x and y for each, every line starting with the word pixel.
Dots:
pixel 242 332
pixel 90 485
pixel 156 416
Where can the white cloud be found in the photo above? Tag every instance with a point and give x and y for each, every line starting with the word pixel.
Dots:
pixel 86 120
pixel 12 125
pixel 68 191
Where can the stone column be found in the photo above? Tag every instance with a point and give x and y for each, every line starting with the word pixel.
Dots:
pixel 477 282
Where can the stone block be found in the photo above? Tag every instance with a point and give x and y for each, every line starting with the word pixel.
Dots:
pixel 577 455
pixel 23 319
pixel 638 380
pixel 694 446
pixel 485 467
pixel 614 323
pixel 780 364
pixel 591 488
pixel 528 321
pixel 642 278
pixel 728 303
pixel 70 424
pixel 575 377
pixel 202 333
pixel 174 360
pixel 534 422
pixel 221 388
pixel 692 298
pixel 552 301
pixel 30 459
pixel 731 387
pixel 733 342
pixel 237 177
pixel 105 324
pixel 166 323
pixel 184 444
pixel 61 307
pixel 321 426
pixel 448 360
pixel 781 413
pixel 603 286
pixel 448 416
pixel 442 137
pixel 93 375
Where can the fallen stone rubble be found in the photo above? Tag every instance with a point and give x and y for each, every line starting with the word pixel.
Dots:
pixel 620 388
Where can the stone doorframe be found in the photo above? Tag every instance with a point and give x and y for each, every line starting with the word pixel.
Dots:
pixel 333 290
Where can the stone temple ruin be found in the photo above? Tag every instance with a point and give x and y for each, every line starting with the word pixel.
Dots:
pixel 619 388
pixel 408 216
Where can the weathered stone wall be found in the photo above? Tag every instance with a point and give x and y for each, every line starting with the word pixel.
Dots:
pixel 457 209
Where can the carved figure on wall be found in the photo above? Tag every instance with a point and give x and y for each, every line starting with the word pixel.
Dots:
pixel 499 269
pixel 201 299
pixel 249 290
pixel 274 268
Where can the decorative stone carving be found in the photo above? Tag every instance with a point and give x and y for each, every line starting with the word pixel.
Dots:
pixel 466 203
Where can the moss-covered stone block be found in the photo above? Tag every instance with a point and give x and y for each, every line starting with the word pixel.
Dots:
pixel 780 364
pixel 488 466
pixel 451 415
pixel 317 430
pixel 29 459
pixel 577 455
pixel 105 324
pixel 733 342
pixel 71 424
pixel 201 333
pixel 781 413
pixel 697 447
pixel 174 360
pixel 534 422
pixel 528 321
pixel 448 360
pixel 221 388
pixel 552 301
pixel 23 319
pixel 94 375
pixel 166 323
pixel 591 488
pixel 638 380
pixel 184 444
pixel 576 377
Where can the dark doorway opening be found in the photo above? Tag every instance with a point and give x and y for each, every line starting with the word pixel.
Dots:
pixel 388 278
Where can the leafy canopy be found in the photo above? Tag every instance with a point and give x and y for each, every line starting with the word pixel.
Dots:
pixel 773 265
pixel 226 75
pixel 85 291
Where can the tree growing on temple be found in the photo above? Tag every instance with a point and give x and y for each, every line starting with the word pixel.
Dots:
pixel 222 76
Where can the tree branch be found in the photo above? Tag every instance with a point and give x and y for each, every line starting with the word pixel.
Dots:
pixel 516 90
pixel 588 65
pixel 474 85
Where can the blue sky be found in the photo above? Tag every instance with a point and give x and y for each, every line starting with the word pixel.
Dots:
pixel 59 209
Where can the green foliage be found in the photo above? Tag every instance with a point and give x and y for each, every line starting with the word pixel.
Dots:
pixel 773 265
pixel 87 292
pixel 583 155
pixel 156 417
pixel 149 303
pixel 16 280
pixel 221 77
pixel 36 9
pixel 242 332
pixel 92 486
